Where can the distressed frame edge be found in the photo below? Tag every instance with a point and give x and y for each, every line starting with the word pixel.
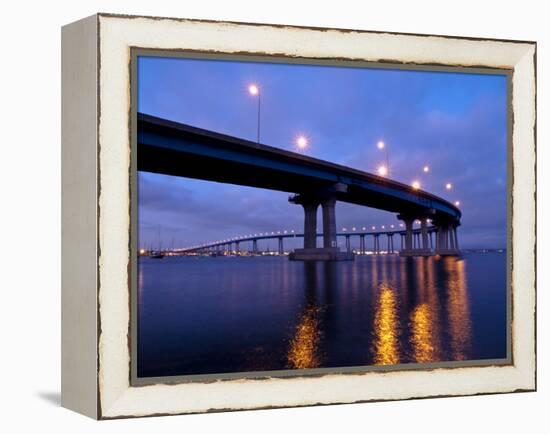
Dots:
pixel 79 188
pixel 529 51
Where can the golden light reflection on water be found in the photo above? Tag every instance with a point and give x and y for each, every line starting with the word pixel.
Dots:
pixel 425 334
pixel 304 346
pixel 386 328
pixel 458 308
pixel 422 334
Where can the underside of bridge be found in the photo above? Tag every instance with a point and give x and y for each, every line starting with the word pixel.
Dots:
pixel 176 149
pixel 414 243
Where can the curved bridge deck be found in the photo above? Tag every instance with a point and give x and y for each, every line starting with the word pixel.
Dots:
pixel 172 148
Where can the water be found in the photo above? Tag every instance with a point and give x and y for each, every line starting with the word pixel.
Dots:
pixel 205 315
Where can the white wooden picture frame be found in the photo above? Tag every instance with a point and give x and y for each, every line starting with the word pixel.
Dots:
pixel 96 213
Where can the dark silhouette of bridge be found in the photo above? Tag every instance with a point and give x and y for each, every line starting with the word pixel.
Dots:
pixel 172 148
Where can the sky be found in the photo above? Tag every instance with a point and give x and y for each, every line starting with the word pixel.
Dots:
pixel 455 123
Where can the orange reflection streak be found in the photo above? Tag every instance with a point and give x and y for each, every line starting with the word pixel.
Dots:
pixel 458 310
pixel 386 330
pixel 424 319
pixel 303 351
pixel 422 337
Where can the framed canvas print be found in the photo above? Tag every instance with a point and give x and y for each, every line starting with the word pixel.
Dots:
pixel 260 216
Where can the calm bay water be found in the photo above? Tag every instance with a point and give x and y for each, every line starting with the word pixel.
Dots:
pixel 205 315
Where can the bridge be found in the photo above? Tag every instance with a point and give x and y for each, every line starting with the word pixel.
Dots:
pixel 176 149
pixel 235 244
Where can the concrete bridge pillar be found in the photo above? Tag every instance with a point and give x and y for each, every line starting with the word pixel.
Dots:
pixel 310 203
pixel 237 248
pixel 281 248
pixel 390 243
pixel 362 244
pixel 408 234
pixel 450 232
pixel 447 239
pixel 440 238
pixel 424 233
pixel 416 243
pixel 255 245
pixel 456 237
pixel 376 249
pixel 310 224
pixel 348 244
pixel 329 222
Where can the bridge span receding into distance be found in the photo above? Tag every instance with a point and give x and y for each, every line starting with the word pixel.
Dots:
pixel 235 244
pixel 176 149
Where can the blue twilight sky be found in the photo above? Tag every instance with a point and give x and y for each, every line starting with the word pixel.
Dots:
pixel 453 122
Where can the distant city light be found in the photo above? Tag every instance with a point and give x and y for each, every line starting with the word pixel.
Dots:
pixel 416 185
pixel 141 251
pixel 301 142
pixel 426 169
pixel 381 144
pixel 253 89
pixel 382 170
pixel 448 186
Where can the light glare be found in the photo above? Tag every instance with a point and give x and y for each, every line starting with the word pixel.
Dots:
pixel 302 142
pixel 382 170
pixel 253 89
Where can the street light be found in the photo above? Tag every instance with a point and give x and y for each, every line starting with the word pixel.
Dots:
pixel 426 169
pixel 448 186
pixel 416 185
pixel 382 170
pixel 254 90
pixel 457 203
pixel 382 146
pixel 301 142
